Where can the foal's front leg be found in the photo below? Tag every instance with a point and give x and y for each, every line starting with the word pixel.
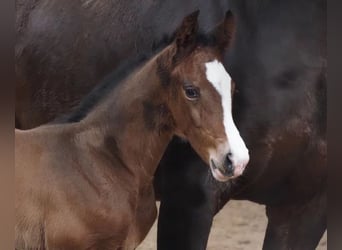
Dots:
pixel 296 227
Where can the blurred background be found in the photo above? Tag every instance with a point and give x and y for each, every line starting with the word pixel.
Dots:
pixel 240 225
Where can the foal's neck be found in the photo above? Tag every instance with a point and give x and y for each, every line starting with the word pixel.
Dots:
pixel 133 122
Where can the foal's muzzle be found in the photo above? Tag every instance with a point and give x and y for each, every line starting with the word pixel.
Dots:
pixel 226 169
pixel 228 166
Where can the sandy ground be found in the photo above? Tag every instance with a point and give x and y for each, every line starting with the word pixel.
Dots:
pixel 240 225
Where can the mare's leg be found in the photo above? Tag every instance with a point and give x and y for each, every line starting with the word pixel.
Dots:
pixel 17 124
pixel 296 227
pixel 186 209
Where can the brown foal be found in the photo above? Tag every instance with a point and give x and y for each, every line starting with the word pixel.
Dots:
pixel 87 184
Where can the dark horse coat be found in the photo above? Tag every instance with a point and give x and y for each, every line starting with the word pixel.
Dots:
pixel 278 62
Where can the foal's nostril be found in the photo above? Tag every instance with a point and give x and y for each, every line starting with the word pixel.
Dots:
pixel 229 165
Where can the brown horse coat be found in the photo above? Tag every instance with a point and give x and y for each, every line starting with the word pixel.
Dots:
pixel 88 184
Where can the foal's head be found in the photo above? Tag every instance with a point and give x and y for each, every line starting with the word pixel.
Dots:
pixel 200 96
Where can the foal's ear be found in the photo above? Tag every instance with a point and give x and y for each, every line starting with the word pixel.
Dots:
pixel 224 32
pixel 186 34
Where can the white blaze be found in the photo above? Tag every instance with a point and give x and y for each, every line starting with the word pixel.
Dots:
pixel 220 79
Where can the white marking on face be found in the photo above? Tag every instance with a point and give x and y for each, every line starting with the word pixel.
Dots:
pixel 220 79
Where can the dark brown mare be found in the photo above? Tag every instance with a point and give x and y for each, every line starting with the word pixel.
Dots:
pixel 88 184
pixel 278 60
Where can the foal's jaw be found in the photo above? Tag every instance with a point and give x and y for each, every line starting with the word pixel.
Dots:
pixel 229 159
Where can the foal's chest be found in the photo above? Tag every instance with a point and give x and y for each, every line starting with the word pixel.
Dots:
pixel 144 217
pixel 131 221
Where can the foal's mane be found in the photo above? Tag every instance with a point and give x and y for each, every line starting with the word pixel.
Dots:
pixel 113 79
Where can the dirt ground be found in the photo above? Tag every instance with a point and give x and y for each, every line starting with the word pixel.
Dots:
pixel 240 225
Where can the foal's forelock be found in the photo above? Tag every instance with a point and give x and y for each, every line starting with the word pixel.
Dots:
pixel 220 79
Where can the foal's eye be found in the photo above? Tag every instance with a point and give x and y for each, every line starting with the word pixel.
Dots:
pixel 191 92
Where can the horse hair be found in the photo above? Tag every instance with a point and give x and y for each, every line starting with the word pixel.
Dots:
pixel 118 75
